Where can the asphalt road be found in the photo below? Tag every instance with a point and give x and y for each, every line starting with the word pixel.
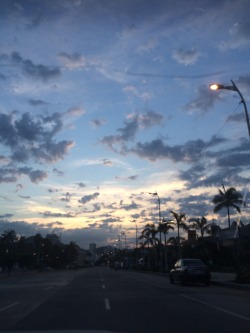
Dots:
pixel 102 299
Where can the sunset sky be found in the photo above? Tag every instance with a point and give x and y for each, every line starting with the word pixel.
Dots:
pixel 105 101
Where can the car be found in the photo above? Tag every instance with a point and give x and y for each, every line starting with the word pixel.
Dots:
pixel 190 270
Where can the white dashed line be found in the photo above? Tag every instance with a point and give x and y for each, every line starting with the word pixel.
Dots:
pixel 47 288
pixel 107 304
pixel 9 306
pixel 216 307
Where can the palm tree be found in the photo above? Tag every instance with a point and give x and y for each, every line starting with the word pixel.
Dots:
pixel 179 219
pixel 199 224
pixel 150 232
pixel 149 236
pixel 226 199
pixel 164 228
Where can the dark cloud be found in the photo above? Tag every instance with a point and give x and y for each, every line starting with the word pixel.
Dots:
pixel 6 216
pixel 30 138
pixel 88 198
pixel 196 205
pixel 204 101
pixel 50 214
pixel 36 102
pixel 150 118
pixel 131 206
pixel 25 197
pixel 81 184
pixel 51 190
pixel 11 175
pixel 189 152
pixel 28 68
pixel 67 197
pixel 98 122
pixel 35 175
pixel 58 172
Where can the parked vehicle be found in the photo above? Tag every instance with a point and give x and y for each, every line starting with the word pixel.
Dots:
pixel 190 270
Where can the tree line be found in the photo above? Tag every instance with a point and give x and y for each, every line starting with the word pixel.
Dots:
pixel 34 252
pixel 151 235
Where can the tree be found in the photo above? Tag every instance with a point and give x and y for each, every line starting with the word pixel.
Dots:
pixel 164 228
pixel 149 237
pixel 179 219
pixel 226 199
pixel 9 238
pixel 199 224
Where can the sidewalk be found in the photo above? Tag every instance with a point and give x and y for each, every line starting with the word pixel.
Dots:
pixel 227 280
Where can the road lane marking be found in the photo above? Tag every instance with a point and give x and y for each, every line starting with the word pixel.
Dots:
pixel 9 306
pixel 103 286
pixel 47 288
pixel 107 305
pixel 215 307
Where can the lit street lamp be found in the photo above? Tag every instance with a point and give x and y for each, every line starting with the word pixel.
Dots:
pixel 216 86
pixel 136 242
pixel 136 238
pixel 159 205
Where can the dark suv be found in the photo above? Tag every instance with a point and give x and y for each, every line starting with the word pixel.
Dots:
pixel 190 270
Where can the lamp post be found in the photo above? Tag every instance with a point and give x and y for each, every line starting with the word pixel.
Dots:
pixel 233 87
pixel 159 205
pixel 136 243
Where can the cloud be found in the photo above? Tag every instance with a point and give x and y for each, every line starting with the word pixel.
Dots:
pixel 31 138
pixel 6 216
pixel 204 101
pixel 67 197
pixel 131 126
pixel 228 166
pixel 150 118
pixel 186 57
pixel 35 175
pixel 88 198
pixel 29 68
pixel 36 102
pixel 50 214
pixel 58 172
pixel 98 122
pixel 127 133
pixel 75 111
pixel 131 206
pixel 73 61
pixel 189 152
pixel 12 174
pixel 196 205
pixel 81 184
pixel 239 36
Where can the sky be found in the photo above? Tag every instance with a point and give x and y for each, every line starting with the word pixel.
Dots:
pixel 103 102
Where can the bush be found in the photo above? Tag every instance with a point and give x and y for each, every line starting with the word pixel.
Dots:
pixel 243 275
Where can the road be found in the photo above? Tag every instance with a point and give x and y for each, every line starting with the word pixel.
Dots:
pixel 102 299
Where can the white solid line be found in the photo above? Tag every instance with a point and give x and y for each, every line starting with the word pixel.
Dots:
pixel 9 306
pixel 47 288
pixel 216 307
pixel 107 304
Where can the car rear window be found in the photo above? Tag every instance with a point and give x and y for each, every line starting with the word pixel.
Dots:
pixel 190 262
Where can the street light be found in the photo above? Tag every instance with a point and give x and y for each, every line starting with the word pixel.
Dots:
pixel 216 86
pixel 159 204
pixel 136 238
pixel 136 242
